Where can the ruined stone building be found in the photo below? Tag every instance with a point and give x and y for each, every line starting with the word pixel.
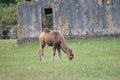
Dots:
pixel 71 17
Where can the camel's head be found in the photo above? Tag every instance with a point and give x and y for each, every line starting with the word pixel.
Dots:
pixel 70 54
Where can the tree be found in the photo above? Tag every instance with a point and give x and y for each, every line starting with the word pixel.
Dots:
pixel 7 1
pixel 8 16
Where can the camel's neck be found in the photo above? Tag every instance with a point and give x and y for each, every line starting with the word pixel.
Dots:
pixel 64 47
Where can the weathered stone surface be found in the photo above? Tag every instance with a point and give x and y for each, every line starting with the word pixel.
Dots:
pixel 72 17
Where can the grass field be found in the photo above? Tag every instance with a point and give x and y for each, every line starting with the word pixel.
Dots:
pixel 94 60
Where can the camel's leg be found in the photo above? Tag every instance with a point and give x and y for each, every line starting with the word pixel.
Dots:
pixel 53 53
pixel 41 51
pixel 59 54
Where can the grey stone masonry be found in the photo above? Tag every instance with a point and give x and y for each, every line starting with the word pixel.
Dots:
pixel 71 17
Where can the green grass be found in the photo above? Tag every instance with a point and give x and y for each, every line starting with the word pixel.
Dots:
pixel 94 60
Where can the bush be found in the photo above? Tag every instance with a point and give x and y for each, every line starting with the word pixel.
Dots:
pixel 8 15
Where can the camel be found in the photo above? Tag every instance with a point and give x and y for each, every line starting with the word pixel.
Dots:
pixel 55 39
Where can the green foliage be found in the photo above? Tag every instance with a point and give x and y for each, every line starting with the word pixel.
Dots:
pixel 7 1
pixel 20 0
pixel 94 60
pixel 8 13
pixel 8 16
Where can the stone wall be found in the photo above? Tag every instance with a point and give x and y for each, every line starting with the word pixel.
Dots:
pixel 71 17
pixel 94 16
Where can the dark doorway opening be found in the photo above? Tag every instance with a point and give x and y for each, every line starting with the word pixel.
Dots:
pixel 47 18
pixel 48 11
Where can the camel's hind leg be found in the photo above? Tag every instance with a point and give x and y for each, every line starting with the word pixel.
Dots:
pixel 59 54
pixel 53 53
pixel 42 45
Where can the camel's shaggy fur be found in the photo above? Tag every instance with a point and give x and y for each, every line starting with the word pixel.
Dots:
pixel 53 38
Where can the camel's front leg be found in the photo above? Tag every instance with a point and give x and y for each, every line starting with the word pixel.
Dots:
pixel 53 53
pixel 41 51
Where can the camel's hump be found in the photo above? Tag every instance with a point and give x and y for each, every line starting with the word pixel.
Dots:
pixel 47 30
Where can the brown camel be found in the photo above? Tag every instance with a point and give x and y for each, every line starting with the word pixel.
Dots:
pixel 53 38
